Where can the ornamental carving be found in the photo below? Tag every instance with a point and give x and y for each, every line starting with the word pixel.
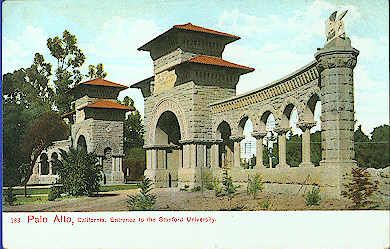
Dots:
pixel 326 61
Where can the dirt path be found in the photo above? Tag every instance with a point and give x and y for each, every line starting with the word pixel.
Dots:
pixel 173 199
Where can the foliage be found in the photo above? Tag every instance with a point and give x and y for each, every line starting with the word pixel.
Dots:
pixel 360 188
pixel 207 181
pixel 266 204
pixel 185 188
pixel 80 173
pixel 39 135
pixel 133 128
pixel 294 150
pixel 380 147
pixel 54 193
pixel 315 148
pixel 255 185
pixel 143 200
pixel 96 71
pixel 196 189
pixel 9 196
pixel 313 197
pixel 229 188
pixel 270 152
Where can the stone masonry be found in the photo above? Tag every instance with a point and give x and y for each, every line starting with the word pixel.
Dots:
pixel 194 119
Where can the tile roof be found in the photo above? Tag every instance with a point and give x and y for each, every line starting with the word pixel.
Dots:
pixel 216 61
pixel 107 104
pixel 191 27
pixel 103 82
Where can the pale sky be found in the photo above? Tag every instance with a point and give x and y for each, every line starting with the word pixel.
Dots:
pixel 277 37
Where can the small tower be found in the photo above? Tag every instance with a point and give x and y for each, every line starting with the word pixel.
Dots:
pixel 97 124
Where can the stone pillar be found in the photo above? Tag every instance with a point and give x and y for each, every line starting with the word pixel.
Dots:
pixel 148 159
pixel 154 158
pixel 336 62
pixel 305 127
pixel 259 148
pixel 236 152
pixel 282 147
pixel 214 156
pixel 51 167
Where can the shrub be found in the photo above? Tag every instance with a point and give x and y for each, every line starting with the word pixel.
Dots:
pixel 217 187
pixel 9 196
pixel 54 193
pixel 229 188
pixel 143 200
pixel 80 173
pixel 185 188
pixel 196 189
pixel 266 204
pixel 255 185
pixel 313 197
pixel 207 181
pixel 360 188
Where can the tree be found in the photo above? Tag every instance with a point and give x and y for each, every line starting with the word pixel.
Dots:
pixel 96 71
pixel 294 150
pixel 39 135
pixel 380 155
pixel 143 200
pixel 133 128
pixel 69 58
pixel 80 173
pixel 362 148
pixel 315 147
pixel 360 188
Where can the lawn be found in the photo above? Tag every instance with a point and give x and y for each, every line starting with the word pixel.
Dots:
pixel 45 190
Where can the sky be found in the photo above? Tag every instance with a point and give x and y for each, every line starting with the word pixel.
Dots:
pixel 277 37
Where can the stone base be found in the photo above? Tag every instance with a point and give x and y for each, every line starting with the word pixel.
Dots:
pixel 282 166
pixel 117 178
pixel 308 165
pixel 160 178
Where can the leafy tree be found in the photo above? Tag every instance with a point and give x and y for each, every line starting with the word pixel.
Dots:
pixel 96 71
pixel 80 173
pixel 133 128
pixel 9 196
pixel 69 58
pixel 39 135
pixel 255 185
pixel 360 188
pixel 294 150
pixel 144 200
pixel 379 149
pixel 315 148
pixel 362 148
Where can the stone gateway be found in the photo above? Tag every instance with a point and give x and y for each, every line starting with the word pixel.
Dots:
pixel 194 120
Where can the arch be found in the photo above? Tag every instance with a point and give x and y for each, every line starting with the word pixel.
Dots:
pixel 248 144
pixel 167 130
pixel 55 162
pixel 226 147
pixel 81 143
pixel 107 159
pixel 310 107
pixel 44 164
pixel 161 107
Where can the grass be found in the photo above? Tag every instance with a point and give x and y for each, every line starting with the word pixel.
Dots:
pixel 45 191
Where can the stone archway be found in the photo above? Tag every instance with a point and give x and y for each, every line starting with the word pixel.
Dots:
pixel 226 147
pixel 81 143
pixel 167 148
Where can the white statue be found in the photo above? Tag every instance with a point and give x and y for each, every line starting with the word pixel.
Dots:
pixel 335 26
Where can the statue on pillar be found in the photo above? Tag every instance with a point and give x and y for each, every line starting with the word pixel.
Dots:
pixel 335 26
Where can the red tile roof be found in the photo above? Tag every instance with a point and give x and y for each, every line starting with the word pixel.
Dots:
pixel 190 26
pixel 103 82
pixel 216 61
pixel 107 104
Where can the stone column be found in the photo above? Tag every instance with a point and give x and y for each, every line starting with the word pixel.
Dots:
pixel 282 147
pixel 154 158
pixel 51 167
pixel 305 127
pixel 259 147
pixel 214 156
pixel 335 64
pixel 236 152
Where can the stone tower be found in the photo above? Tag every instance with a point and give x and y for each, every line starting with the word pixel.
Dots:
pixel 189 74
pixel 97 124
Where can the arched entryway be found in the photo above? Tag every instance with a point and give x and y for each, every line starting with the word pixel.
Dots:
pixel 168 148
pixel 81 143
pixel 226 148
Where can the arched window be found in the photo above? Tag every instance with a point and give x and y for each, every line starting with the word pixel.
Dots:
pixel 44 164
pixel 81 143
